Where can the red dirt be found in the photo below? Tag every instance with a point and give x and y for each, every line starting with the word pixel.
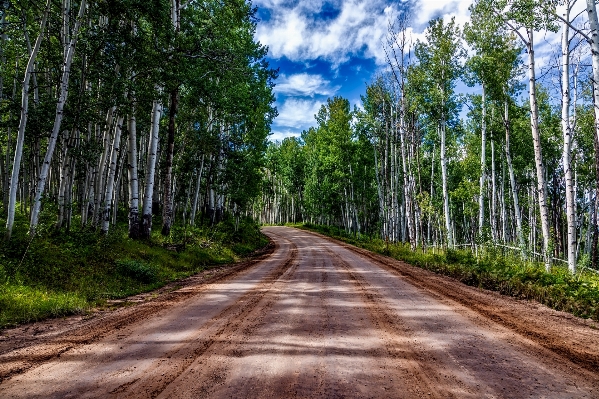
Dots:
pixel 317 318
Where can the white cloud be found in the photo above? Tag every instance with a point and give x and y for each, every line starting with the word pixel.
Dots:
pixel 279 135
pixel 304 84
pixel 425 10
pixel 358 29
pixel 294 33
pixel 297 114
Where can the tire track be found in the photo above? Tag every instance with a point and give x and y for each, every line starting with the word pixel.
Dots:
pixel 396 336
pixel 219 330
pixel 541 325
pixel 23 356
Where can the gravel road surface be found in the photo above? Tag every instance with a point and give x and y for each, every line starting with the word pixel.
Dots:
pixel 315 318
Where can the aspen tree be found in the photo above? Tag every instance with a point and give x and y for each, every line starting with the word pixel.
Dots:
pixel 14 179
pixel 64 90
pixel 528 16
pixel 132 175
pixel 146 217
pixel 439 60
pixel 112 170
pixel 568 133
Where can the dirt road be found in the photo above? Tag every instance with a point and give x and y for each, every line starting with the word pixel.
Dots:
pixel 318 319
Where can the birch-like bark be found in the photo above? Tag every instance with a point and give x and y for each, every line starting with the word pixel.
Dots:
pixel 14 179
pixel 448 224
pixel 146 214
pixel 567 148
pixel 483 166
pixel 119 188
pixel 167 200
pixel 133 177
pixel 196 196
pixel 64 181
pixel 514 189
pixel 64 91
pixel 101 170
pixel 112 168
pixel 536 136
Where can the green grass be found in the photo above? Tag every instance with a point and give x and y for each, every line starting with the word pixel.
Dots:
pixel 577 294
pixel 59 273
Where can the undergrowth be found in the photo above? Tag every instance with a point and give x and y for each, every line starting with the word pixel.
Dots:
pixel 559 289
pixel 59 273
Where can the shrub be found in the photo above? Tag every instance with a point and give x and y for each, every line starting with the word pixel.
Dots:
pixel 137 270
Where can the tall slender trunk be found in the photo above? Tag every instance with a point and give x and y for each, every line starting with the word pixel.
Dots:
pixel 101 170
pixel 167 200
pixel 493 213
pixel 446 211
pixel 510 167
pixel 14 179
pixel 483 165
pixel 64 91
pixel 146 215
pixel 568 133
pixel 536 136
pixel 132 175
pixel 110 180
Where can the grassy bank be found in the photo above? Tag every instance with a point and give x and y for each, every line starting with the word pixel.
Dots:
pixel 577 294
pixel 60 273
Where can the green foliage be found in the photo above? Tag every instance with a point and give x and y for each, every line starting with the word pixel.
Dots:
pixel 63 273
pixel 137 270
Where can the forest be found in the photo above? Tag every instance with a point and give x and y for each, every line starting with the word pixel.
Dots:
pixel 135 150
pixel 120 123
pixel 513 166
pixel 126 104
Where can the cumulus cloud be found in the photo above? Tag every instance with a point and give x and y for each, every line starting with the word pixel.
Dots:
pixel 297 32
pixel 304 84
pixel 297 114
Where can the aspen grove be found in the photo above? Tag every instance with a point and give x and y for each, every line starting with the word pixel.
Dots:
pixel 513 166
pixel 148 108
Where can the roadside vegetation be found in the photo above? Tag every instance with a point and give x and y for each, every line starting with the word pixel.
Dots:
pixel 59 273
pixel 492 270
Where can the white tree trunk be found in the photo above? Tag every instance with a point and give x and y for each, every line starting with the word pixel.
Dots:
pixel 64 91
pixel 108 196
pixel 536 136
pixel 146 218
pixel 448 225
pixel 568 138
pixel 483 166
pixel 14 179
pixel 508 157
pixel 133 177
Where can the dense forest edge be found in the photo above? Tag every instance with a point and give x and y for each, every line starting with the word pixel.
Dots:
pixel 492 269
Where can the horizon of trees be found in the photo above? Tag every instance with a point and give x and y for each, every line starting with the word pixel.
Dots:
pixel 522 173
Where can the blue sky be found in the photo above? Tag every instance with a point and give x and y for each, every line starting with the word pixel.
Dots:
pixel 325 48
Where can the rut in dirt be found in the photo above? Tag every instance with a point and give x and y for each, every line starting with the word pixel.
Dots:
pixel 320 319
